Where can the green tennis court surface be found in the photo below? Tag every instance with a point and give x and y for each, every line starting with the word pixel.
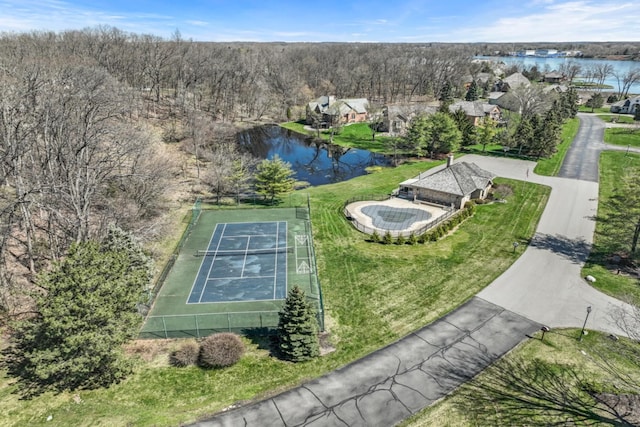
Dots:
pixel 233 273
pixel 244 261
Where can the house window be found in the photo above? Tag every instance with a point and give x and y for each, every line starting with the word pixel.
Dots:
pixel 353 116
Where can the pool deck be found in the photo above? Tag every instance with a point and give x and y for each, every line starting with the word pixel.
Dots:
pixel 355 210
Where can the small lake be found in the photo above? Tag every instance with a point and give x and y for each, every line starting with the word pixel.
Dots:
pixel 317 163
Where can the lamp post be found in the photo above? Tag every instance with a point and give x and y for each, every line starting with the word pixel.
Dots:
pixel 515 246
pixel 585 323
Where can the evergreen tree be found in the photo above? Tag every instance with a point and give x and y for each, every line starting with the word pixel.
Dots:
pixel 443 134
pixel 273 178
pixel 474 92
pixel 486 131
pixel 465 126
pixel 87 310
pixel 298 328
pixel 418 135
pixel 525 133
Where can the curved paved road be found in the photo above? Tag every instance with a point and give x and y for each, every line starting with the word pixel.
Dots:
pixel 543 287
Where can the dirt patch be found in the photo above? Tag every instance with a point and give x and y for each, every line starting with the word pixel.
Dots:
pixel 626 406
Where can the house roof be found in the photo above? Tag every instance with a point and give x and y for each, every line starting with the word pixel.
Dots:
pixel 344 106
pixel 553 75
pixel 407 111
pixel 460 179
pixel 516 79
pixel 472 108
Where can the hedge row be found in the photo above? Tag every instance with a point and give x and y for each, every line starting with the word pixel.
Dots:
pixel 432 235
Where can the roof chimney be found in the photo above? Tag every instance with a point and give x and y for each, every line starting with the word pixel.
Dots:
pixel 449 160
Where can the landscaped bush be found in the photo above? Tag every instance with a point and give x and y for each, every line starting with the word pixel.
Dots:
pixel 186 355
pixel 400 240
pixel 388 238
pixel 220 350
pixel 412 239
pixel 423 238
pixel 375 237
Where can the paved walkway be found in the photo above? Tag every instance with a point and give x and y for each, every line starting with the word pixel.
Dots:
pixel 543 287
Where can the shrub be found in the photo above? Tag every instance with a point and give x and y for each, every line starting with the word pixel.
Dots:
pixel 375 237
pixel 400 240
pixel 423 238
pixel 186 355
pixel 220 350
pixel 412 239
pixel 612 98
pixel 387 239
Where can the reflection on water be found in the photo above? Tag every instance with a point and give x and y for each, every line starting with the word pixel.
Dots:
pixel 314 162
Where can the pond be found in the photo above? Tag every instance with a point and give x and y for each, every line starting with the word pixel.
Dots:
pixel 313 161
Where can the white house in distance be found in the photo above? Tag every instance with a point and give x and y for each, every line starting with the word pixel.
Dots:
pixel 626 106
pixel 452 186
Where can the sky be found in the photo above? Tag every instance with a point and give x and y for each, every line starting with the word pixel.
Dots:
pixel 400 21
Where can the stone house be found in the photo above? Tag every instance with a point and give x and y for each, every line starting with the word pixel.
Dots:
pixel 452 186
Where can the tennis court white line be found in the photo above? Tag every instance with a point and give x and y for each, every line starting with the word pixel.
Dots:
pixel 244 261
pixel 212 261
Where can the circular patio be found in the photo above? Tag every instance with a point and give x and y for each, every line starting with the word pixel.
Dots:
pixel 395 215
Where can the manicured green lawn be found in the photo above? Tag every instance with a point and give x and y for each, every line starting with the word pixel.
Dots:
pixel 585 109
pixel 551 166
pixel 559 353
pixel 613 165
pixel 374 294
pixel 357 135
pixel 623 136
pixel 618 118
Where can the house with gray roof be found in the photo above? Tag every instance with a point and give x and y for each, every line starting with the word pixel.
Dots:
pixel 397 118
pixel 511 82
pixel 452 186
pixel 626 106
pixel 475 110
pixel 328 111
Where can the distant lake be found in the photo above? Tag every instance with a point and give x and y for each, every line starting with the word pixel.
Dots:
pixel 314 162
pixel 551 64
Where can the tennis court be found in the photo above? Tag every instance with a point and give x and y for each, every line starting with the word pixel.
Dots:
pixel 244 261
pixel 233 273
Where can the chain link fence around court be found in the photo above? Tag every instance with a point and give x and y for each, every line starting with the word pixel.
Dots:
pixel 171 318
pixel 393 232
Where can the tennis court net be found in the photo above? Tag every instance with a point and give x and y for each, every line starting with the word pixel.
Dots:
pixel 284 249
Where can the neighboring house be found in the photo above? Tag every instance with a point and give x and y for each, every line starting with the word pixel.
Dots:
pixel 397 118
pixel 481 79
pixel 475 110
pixel 511 82
pixel 328 110
pixel 452 186
pixel 626 106
pixel 554 77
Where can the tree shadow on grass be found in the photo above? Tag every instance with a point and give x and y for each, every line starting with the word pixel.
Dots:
pixel 575 250
pixel 516 391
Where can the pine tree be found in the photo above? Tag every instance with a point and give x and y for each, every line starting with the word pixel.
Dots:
pixel 298 328
pixel 274 177
pixel 474 91
pixel 87 311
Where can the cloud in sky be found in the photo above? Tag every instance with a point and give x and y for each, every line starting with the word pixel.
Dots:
pixel 333 20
